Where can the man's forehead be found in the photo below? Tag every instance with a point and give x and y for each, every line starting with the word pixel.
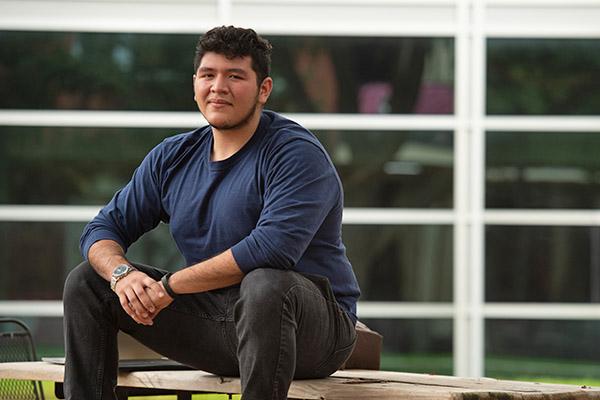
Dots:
pixel 210 59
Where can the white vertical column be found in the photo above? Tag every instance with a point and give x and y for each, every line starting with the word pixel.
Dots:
pixel 461 340
pixel 469 195
pixel 477 189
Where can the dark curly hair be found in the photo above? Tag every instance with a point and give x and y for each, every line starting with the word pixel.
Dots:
pixel 233 42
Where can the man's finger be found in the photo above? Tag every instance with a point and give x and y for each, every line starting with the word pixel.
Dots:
pixel 145 300
pixel 156 293
pixel 128 308
pixel 141 312
pixel 149 282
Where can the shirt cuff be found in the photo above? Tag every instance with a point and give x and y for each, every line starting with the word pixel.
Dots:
pixel 244 257
pixel 97 236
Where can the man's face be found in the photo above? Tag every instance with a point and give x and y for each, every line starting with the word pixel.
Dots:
pixel 226 91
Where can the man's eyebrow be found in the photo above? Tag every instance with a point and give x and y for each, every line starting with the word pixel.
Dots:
pixel 237 71
pixel 234 70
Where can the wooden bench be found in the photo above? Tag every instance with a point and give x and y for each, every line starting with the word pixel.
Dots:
pixel 344 384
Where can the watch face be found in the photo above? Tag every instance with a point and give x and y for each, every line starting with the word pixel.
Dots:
pixel 120 270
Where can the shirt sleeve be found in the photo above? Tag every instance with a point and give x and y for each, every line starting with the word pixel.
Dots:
pixel 133 210
pixel 301 188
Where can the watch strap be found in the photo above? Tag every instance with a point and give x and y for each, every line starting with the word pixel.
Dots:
pixel 165 281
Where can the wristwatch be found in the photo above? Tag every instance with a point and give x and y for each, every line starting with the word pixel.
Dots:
pixel 120 272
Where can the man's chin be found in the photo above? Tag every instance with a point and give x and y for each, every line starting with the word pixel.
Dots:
pixel 225 124
pixel 220 122
pixel 217 123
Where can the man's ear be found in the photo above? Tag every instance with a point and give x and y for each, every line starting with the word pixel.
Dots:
pixel 194 85
pixel 264 91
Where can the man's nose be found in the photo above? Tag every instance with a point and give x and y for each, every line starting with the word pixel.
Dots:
pixel 219 83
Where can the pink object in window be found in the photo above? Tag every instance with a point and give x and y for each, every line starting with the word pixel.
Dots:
pixel 435 98
pixel 374 98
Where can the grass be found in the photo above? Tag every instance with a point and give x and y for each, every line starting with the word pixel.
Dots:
pixel 438 364
pixel 545 370
pixel 561 370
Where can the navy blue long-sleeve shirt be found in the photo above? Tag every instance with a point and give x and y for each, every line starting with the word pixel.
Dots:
pixel 277 203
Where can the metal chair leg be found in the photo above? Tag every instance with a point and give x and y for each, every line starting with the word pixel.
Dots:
pixel 59 391
pixel 122 394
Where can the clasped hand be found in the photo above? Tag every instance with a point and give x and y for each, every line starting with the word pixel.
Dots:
pixel 142 297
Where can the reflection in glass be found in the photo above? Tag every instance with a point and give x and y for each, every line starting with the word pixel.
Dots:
pixel 96 71
pixel 85 166
pixel 401 263
pixel 393 169
pixel 42 254
pixel 545 264
pixel 534 350
pixel 133 71
pixel 543 76
pixel 80 166
pixel 415 345
pixel 363 75
pixel 543 170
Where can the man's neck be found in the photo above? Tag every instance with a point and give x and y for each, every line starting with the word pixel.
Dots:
pixel 227 142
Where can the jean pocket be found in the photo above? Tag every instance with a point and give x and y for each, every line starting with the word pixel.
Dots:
pixel 323 285
pixel 335 360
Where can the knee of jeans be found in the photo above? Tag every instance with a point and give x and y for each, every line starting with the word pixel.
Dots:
pixel 264 286
pixel 77 280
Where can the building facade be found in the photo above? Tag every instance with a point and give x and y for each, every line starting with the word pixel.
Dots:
pixel 466 133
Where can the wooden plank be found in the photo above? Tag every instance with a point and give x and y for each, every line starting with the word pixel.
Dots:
pixel 352 389
pixel 458 382
pixel 178 380
pixel 477 388
pixel 367 388
pixel 343 385
pixel 37 371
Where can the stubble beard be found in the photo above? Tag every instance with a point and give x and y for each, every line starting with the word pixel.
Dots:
pixel 230 126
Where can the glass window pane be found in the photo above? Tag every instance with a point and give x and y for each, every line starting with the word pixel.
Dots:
pixel 546 264
pixel 543 76
pixel 539 350
pixel 543 170
pixel 71 70
pixel 79 166
pixel 363 75
pixel 401 263
pixel 127 71
pixel 41 254
pixel 415 345
pixel 393 169
pixel 87 165
pixel 47 335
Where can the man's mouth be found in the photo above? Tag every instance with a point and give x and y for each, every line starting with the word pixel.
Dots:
pixel 219 102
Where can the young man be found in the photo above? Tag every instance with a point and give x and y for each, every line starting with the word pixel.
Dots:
pixel 255 206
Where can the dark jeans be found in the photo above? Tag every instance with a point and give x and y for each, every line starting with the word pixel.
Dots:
pixel 276 326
